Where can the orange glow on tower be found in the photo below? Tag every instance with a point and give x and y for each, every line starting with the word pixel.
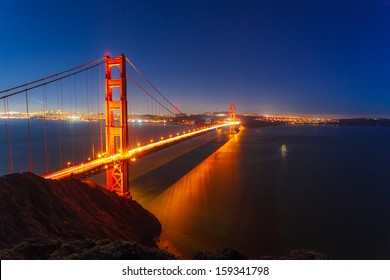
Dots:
pixel 116 126
pixel 232 116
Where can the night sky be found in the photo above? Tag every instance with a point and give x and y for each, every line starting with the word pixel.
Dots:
pixel 299 57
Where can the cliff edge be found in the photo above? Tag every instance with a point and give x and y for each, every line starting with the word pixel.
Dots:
pixel 32 207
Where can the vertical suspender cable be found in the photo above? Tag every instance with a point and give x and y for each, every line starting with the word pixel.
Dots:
pixel 136 116
pixel 76 113
pixel 71 126
pixel 58 117
pixel 60 113
pixel 47 151
pixel 82 131
pixel 100 110
pixel 29 135
pixel 89 109
pixel 61 124
pixel 8 135
pixel 133 136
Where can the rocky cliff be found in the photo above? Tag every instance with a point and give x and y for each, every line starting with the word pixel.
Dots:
pixel 32 207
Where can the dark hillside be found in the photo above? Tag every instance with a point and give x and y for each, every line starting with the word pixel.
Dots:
pixel 32 207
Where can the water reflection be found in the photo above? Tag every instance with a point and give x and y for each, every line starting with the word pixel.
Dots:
pixel 191 210
pixel 247 195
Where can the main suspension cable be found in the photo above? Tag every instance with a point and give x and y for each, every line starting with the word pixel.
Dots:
pixel 51 81
pixel 52 76
pixel 151 96
pixel 147 80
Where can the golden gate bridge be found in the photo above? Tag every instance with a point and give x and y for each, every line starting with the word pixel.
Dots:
pixel 77 94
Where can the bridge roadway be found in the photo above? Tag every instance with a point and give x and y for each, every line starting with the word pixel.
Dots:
pixel 101 164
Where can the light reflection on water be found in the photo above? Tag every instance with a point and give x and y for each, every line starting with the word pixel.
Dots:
pixel 198 211
pixel 326 190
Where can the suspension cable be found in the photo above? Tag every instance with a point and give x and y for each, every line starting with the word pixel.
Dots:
pixel 147 80
pixel 151 96
pixel 51 81
pixel 52 76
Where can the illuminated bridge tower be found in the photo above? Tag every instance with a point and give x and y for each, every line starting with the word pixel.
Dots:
pixel 232 117
pixel 116 125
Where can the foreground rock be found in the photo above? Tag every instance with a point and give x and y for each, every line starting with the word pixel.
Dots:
pixel 88 249
pixel 32 207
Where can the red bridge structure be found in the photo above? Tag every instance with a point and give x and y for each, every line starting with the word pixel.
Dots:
pixel 40 134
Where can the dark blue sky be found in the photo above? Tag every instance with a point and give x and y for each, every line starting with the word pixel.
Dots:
pixel 301 57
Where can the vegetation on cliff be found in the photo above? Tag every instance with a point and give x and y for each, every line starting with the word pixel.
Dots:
pixel 88 249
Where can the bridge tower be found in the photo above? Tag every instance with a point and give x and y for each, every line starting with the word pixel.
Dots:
pixel 232 117
pixel 116 125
